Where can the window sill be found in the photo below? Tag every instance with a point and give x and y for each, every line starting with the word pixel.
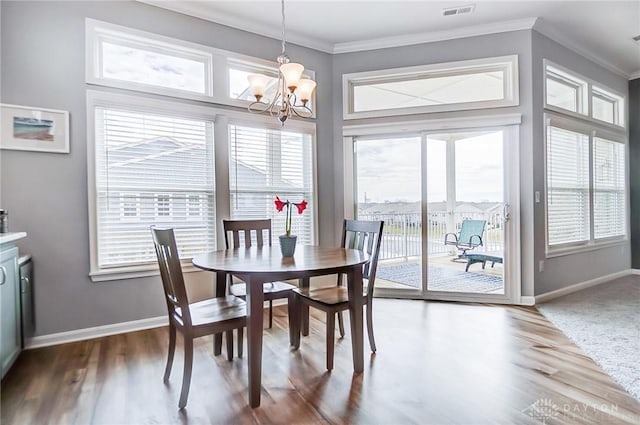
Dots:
pixel 134 272
pixel 561 252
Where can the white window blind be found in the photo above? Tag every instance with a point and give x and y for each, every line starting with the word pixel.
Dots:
pixel 567 186
pixel 150 169
pixel 266 163
pixel 608 188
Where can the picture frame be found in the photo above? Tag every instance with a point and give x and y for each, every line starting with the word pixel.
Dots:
pixel 27 128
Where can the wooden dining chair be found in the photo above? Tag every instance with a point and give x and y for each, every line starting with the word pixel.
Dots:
pixel 254 230
pixel 356 234
pixel 212 316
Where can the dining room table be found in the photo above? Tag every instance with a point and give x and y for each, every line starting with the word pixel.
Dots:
pixel 256 266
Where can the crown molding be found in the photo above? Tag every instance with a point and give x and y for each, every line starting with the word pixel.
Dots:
pixel 634 75
pixel 430 37
pixel 200 10
pixel 548 31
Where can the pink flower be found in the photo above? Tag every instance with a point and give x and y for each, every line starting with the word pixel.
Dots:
pixel 301 206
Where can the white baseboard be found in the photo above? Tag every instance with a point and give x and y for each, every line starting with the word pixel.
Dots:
pixel 580 286
pixel 95 332
pixel 528 301
pixel 635 271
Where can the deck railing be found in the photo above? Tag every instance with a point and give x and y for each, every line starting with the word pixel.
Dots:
pixel 403 233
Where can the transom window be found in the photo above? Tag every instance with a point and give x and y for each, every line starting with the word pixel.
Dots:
pixel 473 84
pixel 567 91
pixel 131 59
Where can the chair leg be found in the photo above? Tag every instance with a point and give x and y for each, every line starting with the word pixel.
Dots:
pixel 372 341
pixel 172 350
pixel 186 374
pixel 294 320
pixel 341 323
pixel 270 314
pixel 331 330
pixel 240 342
pixel 229 337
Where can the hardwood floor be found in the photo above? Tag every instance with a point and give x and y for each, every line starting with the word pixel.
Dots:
pixel 437 363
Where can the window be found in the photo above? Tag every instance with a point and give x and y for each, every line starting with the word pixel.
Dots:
pixel 135 60
pixel 606 106
pixel 585 183
pixel 608 186
pixel 565 90
pixel 568 92
pixel 585 162
pixel 163 205
pixel 265 163
pixel 473 84
pixel 131 59
pixel 567 186
pixel 146 160
pixel 129 206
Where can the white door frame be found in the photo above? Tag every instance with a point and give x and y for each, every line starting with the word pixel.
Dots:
pixel 509 124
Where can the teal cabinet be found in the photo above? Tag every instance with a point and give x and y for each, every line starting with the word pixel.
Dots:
pixel 10 345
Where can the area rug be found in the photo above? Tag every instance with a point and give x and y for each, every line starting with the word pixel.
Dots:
pixel 604 321
pixel 440 278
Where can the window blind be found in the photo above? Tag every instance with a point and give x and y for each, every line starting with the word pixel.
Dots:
pixel 567 186
pixel 152 169
pixel 608 188
pixel 265 163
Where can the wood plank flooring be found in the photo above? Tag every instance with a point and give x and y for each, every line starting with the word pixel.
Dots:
pixel 437 363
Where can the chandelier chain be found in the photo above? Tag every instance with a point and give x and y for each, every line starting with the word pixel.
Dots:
pixel 283 31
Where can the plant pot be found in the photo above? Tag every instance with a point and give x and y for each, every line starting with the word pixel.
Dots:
pixel 288 245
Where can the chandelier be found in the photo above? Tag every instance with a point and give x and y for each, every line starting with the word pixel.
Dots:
pixel 293 92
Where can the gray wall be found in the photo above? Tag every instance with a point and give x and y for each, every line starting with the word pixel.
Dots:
pixel 518 42
pixel 46 194
pixel 634 171
pixel 564 271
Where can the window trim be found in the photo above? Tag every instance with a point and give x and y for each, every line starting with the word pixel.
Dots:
pixel 507 64
pixel 562 120
pixel 217 69
pixel 221 117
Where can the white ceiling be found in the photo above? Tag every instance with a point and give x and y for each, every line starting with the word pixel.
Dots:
pixel 600 30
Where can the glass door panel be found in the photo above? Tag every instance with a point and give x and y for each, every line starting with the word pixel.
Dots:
pixel 465 204
pixel 388 187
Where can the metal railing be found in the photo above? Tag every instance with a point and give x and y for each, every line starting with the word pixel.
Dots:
pixel 402 236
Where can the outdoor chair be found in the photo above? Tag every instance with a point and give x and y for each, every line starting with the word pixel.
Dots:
pixel 469 237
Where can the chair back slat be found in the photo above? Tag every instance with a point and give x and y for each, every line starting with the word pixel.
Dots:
pixel 171 275
pixel 249 228
pixel 358 234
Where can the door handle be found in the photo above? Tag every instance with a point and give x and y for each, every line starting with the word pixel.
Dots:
pixel 4 275
pixel 506 213
pixel 25 287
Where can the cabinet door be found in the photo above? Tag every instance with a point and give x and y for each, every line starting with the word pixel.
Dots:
pixel 9 308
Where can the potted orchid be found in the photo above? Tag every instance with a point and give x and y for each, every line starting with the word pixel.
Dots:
pixel 288 241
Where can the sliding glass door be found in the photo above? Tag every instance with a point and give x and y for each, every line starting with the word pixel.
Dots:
pixel 445 198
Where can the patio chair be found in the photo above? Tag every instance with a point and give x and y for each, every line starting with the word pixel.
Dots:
pixel 469 237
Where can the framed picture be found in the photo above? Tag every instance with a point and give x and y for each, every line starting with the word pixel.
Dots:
pixel 27 128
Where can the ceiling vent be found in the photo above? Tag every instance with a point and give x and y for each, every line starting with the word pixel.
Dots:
pixel 461 10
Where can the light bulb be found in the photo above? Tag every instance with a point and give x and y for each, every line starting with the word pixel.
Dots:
pixel 305 89
pixel 258 83
pixel 292 73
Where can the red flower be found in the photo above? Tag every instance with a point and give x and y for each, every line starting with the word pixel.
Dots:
pixel 301 206
pixel 279 204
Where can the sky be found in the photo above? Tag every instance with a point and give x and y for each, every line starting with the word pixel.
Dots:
pixel 388 170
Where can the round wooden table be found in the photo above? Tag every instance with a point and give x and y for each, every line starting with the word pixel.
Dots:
pixel 256 266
